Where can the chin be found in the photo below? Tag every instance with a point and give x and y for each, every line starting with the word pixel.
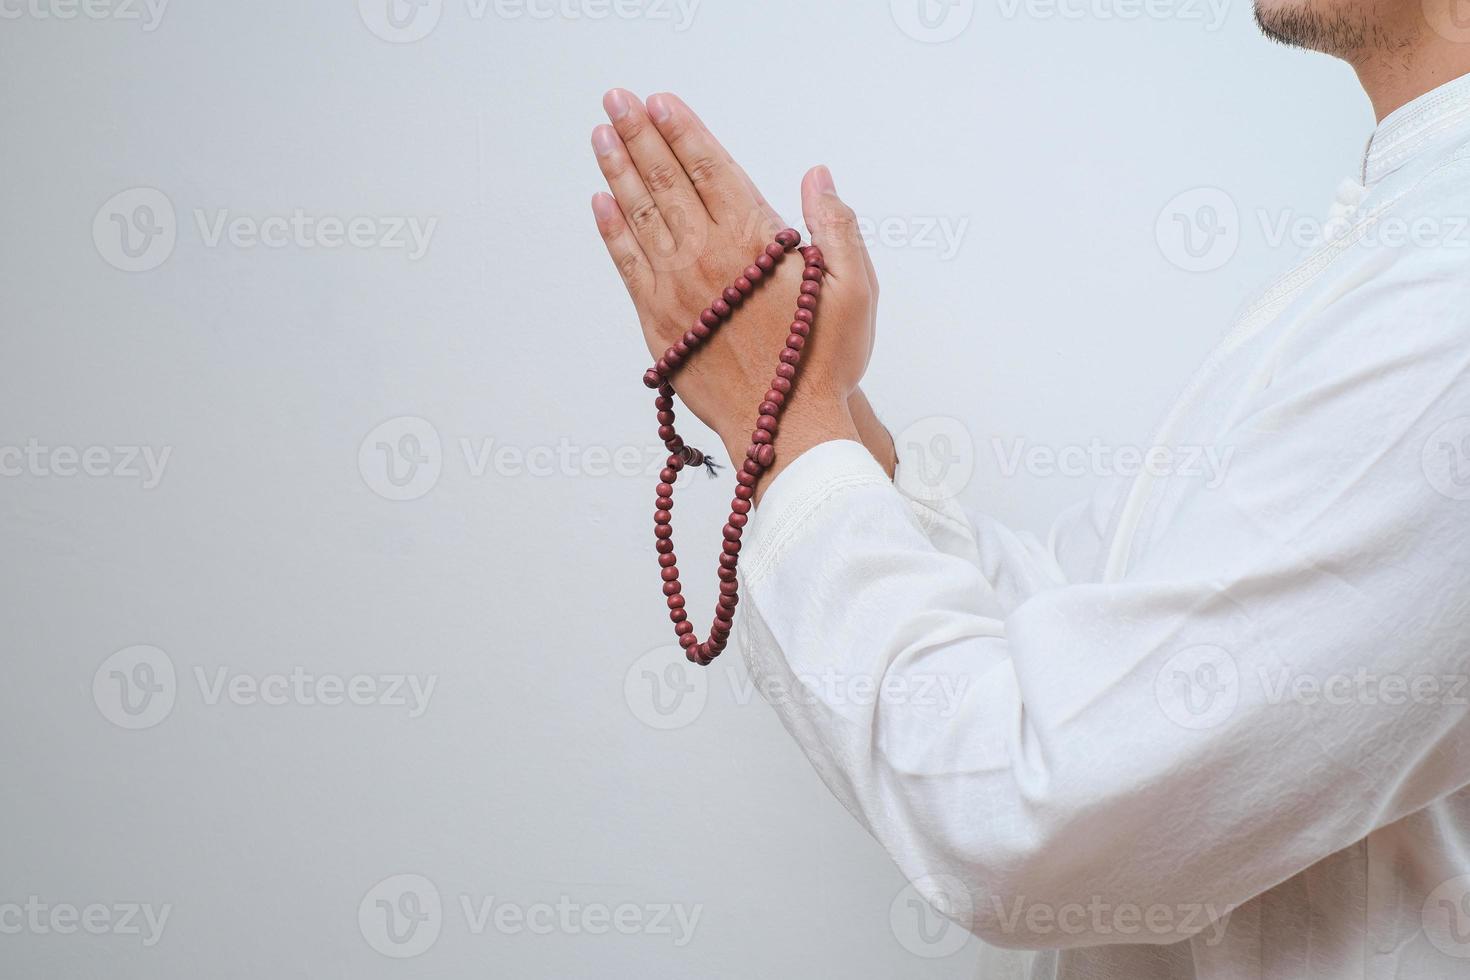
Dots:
pixel 1335 27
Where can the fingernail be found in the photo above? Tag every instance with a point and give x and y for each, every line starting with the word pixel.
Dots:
pixel 822 181
pixel 603 205
pixel 616 104
pixel 604 140
pixel 659 108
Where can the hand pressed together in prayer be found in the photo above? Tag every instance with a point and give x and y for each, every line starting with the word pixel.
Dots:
pixel 682 221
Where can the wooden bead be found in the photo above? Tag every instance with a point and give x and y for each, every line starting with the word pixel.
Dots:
pixel 785 372
pixel 710 318
pixel 806 316
pixel 744 285
pixel 775 251
pixel 806 302
pixel 788 238
pixel 765 262
pixel 732 296
pixel 765 456
pixel 795 341
pixel 754 273
pixel 766 423
pixel 652 378
pixel 790 356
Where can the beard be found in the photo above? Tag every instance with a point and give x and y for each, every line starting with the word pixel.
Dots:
pixel 1328 26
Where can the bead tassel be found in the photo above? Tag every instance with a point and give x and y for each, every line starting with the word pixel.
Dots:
pixel 758 458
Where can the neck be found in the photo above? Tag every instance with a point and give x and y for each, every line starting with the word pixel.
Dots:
pixel 1395 75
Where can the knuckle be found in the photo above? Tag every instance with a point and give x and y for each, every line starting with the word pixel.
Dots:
pixel 629 268
pixel 632 128
pixel 703 170
pixel 661 177
pixel 644 215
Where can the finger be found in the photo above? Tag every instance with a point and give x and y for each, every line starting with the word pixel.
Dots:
pixel 633 198
pixel 723 187
pixel 622 244
pixel 684 213
pixel 834 228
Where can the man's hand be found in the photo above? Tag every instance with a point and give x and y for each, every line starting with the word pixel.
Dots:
pixel 682 222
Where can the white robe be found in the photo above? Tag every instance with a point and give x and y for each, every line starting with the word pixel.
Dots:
pixel 1210 729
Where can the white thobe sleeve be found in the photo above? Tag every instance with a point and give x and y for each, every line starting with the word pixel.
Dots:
pixel 1185 737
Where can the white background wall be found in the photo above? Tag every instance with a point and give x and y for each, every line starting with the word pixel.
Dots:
pixel 521 585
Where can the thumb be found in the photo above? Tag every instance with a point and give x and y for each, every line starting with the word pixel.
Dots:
pixel 834 226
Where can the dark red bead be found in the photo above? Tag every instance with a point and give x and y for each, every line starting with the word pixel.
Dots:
pixel 795 341
pixel 806 316
pixel 732 296
pixel 739 520
pixel 765 456
pixel 726 574
pixel 721 308
pixel 665 418
pixel 790 356
pixel 699 332
pixel 775 251
pixel 663 531
pixel 788 238
pixel 678 615
pixel 744 491
pixel 775 397
pixel 766 422
pixel 724 625
pixel 739 506
pixel 664 546
pixel 754 273
pixel 670 574
pixel 765 263
pixel 730 561
pixel 663 503
pixel 806 302
pixel 675 601
pixel 781 385
pixel 672 588
pixel 811 289
pixel 760 436
pixel 672 358
pixel 667 476
pixel 665 561
pixel 688 640
pixel 811 274
pixel 709 318
pixel 690 340
pixel 785 372
pixel 729 588
pixel 732 547
pixel 666 432
pixel 652 378
pixel 661 516
pixel 744 285
pixel 683 629
pixel 801 328
pixel 811 255
pixel 744 479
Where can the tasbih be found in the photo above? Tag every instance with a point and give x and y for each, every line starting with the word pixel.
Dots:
pixel 758 458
